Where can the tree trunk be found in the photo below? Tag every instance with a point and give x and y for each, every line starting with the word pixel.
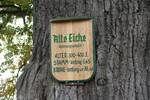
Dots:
pixel 122 51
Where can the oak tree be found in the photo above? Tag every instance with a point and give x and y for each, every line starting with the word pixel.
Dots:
pixel 122 51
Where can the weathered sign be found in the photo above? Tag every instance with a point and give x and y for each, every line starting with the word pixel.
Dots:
pixel 72 49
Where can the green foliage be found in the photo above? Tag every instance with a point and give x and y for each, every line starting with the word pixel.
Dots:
pixel 21 3
pixel 15 46
pixel 8 89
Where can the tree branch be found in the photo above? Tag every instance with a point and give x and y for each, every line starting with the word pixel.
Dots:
pixel 16 12
pixel 7 6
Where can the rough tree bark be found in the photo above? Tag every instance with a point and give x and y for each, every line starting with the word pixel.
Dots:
pixel 122 51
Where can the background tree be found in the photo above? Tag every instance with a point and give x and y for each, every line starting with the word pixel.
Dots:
pixel 122 46
pixel 15 43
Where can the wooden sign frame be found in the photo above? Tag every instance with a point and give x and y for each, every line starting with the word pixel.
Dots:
pixel 57 20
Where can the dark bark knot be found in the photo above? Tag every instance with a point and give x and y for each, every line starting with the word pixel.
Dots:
pixel 102 81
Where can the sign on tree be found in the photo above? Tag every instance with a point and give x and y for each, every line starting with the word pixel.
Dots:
pixel 72 49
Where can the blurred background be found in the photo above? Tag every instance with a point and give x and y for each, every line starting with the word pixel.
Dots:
pixel 15 43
